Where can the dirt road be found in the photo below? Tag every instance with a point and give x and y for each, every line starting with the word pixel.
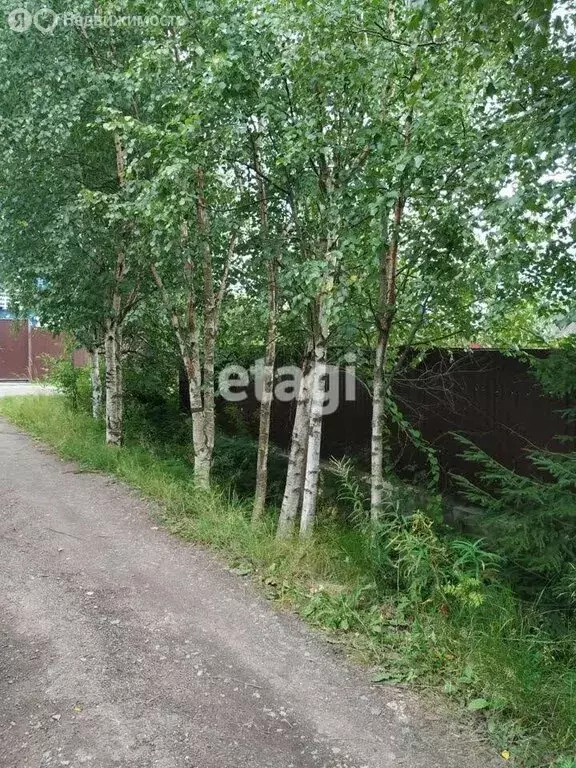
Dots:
pixel 122 646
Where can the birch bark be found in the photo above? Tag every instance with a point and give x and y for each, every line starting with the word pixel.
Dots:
pixel 114 388
pixel 196 350
pixel 207 380
pixel 95 383
pixel 270 353
pixel 113 334
pixel 384 319
pixel 317 395
pixel 298 450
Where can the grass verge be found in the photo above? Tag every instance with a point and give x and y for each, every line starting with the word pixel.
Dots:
pixel 403 602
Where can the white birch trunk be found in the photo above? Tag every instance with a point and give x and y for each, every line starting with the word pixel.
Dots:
pixel 119 393
pixel 113 333
pixel 208 379
pixel 377 449
pixel 270 355
pixel 202 447
pixel 114 393
pixel 264 427
pixel 202 432
pixel 202 452
pixel 320 335
pixel 96 383
pixel 317 397
pixel 297 460
pixel 188 339
pixel 209 310
pixel 385 319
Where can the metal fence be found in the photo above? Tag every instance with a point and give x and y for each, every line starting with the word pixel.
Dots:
pixel 22 347
pixel 489 397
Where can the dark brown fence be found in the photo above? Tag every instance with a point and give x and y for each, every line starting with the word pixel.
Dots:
pixel 22 348
pixel 14 350
pixel 490 398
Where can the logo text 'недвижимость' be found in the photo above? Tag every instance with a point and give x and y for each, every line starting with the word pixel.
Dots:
pixel 46 20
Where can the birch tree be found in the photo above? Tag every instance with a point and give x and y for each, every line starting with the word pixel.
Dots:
pixel 317 138
pixel 380 169
pixel 448 76
pixel 64 254
pixel 95 382
pixel 270 257
pixel 184 197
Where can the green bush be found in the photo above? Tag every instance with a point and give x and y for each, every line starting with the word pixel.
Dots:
pixel 531 521
pixel 72 381
pixel 433 569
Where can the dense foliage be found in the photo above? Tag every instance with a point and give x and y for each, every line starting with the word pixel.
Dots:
pixel 343 176
pixel 531 521
pixel 289 180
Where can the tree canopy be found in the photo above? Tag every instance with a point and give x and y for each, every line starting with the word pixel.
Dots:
pixel 353 175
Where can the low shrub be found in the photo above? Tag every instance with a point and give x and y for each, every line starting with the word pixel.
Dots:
pixel 72 381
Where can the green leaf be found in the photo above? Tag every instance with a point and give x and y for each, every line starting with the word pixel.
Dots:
pixel 478 704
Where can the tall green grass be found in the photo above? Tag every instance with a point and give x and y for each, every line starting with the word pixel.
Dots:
pixel 423 609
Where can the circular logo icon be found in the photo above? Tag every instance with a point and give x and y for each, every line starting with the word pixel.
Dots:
pixel 20 20
pixel 45 20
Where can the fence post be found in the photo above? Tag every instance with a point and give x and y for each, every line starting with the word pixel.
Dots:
pixel 30 358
